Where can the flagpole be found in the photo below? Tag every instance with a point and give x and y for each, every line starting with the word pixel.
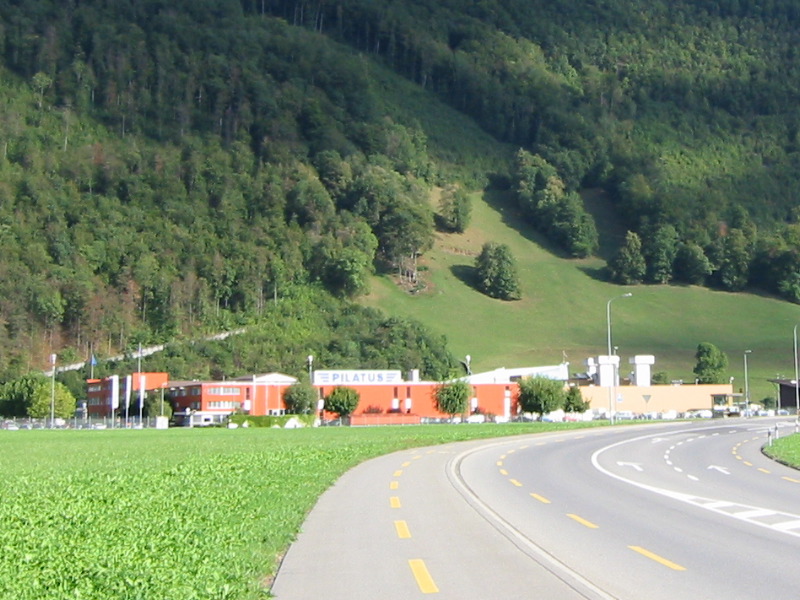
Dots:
pixel 141 386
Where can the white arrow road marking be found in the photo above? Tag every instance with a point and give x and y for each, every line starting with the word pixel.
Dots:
pixel 636 466
pixel 778 521
pixel 722 470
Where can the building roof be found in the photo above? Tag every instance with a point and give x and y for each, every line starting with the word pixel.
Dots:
pixel 268 378
pixel 504 375
pixel 265 379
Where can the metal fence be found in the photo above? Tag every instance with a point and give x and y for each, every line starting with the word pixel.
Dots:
pixel 16 424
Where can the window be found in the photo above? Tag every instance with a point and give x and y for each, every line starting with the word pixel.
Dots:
pixel 224 404
pixel 223 391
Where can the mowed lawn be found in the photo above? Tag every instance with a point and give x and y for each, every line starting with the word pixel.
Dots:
pixel 189 514
pixel 563 310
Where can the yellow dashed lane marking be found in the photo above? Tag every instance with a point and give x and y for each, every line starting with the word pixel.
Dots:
pixel 764 470
pixel 394 485
pixel 503 472
pixel 659 559
pixel 582 521
pixel 541 499
pixel 398 473
pixel 406 464
pixel 515 482
pixel 790 479
pixel 394 502
pixel 402 530
pixel 416 457
pixel 749 464
pixel 423 577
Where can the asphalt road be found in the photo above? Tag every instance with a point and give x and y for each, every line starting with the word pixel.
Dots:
pixel 672 511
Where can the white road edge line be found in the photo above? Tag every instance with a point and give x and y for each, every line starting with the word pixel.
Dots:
pixel 711 504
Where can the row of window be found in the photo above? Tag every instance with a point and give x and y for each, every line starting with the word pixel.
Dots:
pixel 229 404
pixel 223 391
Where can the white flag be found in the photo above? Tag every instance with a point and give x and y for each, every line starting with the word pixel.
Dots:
pixel 114 392
pixel 128 386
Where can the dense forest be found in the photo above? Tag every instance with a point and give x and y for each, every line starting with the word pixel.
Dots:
pixel 169 169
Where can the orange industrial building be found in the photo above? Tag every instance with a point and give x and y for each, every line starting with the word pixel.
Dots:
pixel 381 392
pixel 386 396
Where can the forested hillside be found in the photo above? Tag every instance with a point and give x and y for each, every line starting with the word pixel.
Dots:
pixel 172 168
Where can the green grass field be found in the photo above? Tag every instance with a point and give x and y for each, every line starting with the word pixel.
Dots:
pixel 563 309
pixel 187 514
pixel 786 449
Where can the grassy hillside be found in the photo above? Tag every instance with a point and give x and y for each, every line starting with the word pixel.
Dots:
pixel 563 310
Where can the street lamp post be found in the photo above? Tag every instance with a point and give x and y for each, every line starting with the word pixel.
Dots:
pixel 796 385
pixel 746 387
pixel 310 360
pixel 611 389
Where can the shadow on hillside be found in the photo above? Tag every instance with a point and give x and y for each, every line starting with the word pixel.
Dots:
pixel 503 202
pixel 596 273
pixel 467 274
pixel 610 228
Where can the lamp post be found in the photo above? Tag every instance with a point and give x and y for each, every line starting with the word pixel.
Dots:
pixel 310 360
pixel 611 389
pixel 53 391
pixel 796 385
pixel 746 386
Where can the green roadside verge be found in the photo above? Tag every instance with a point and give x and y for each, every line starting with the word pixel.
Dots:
pixel 785 450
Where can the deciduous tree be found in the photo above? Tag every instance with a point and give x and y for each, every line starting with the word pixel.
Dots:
pixel 497 272
pixel 455 209
pixel 300 398
pixel 628 266
pixel 711 362
pixel 451 397
pixel 541 395
pixel 574 402
pixel 342 401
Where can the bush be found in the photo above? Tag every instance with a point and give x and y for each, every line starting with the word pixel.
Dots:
pixel 342 401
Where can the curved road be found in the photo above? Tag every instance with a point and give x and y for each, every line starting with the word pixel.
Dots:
pixel 663 511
